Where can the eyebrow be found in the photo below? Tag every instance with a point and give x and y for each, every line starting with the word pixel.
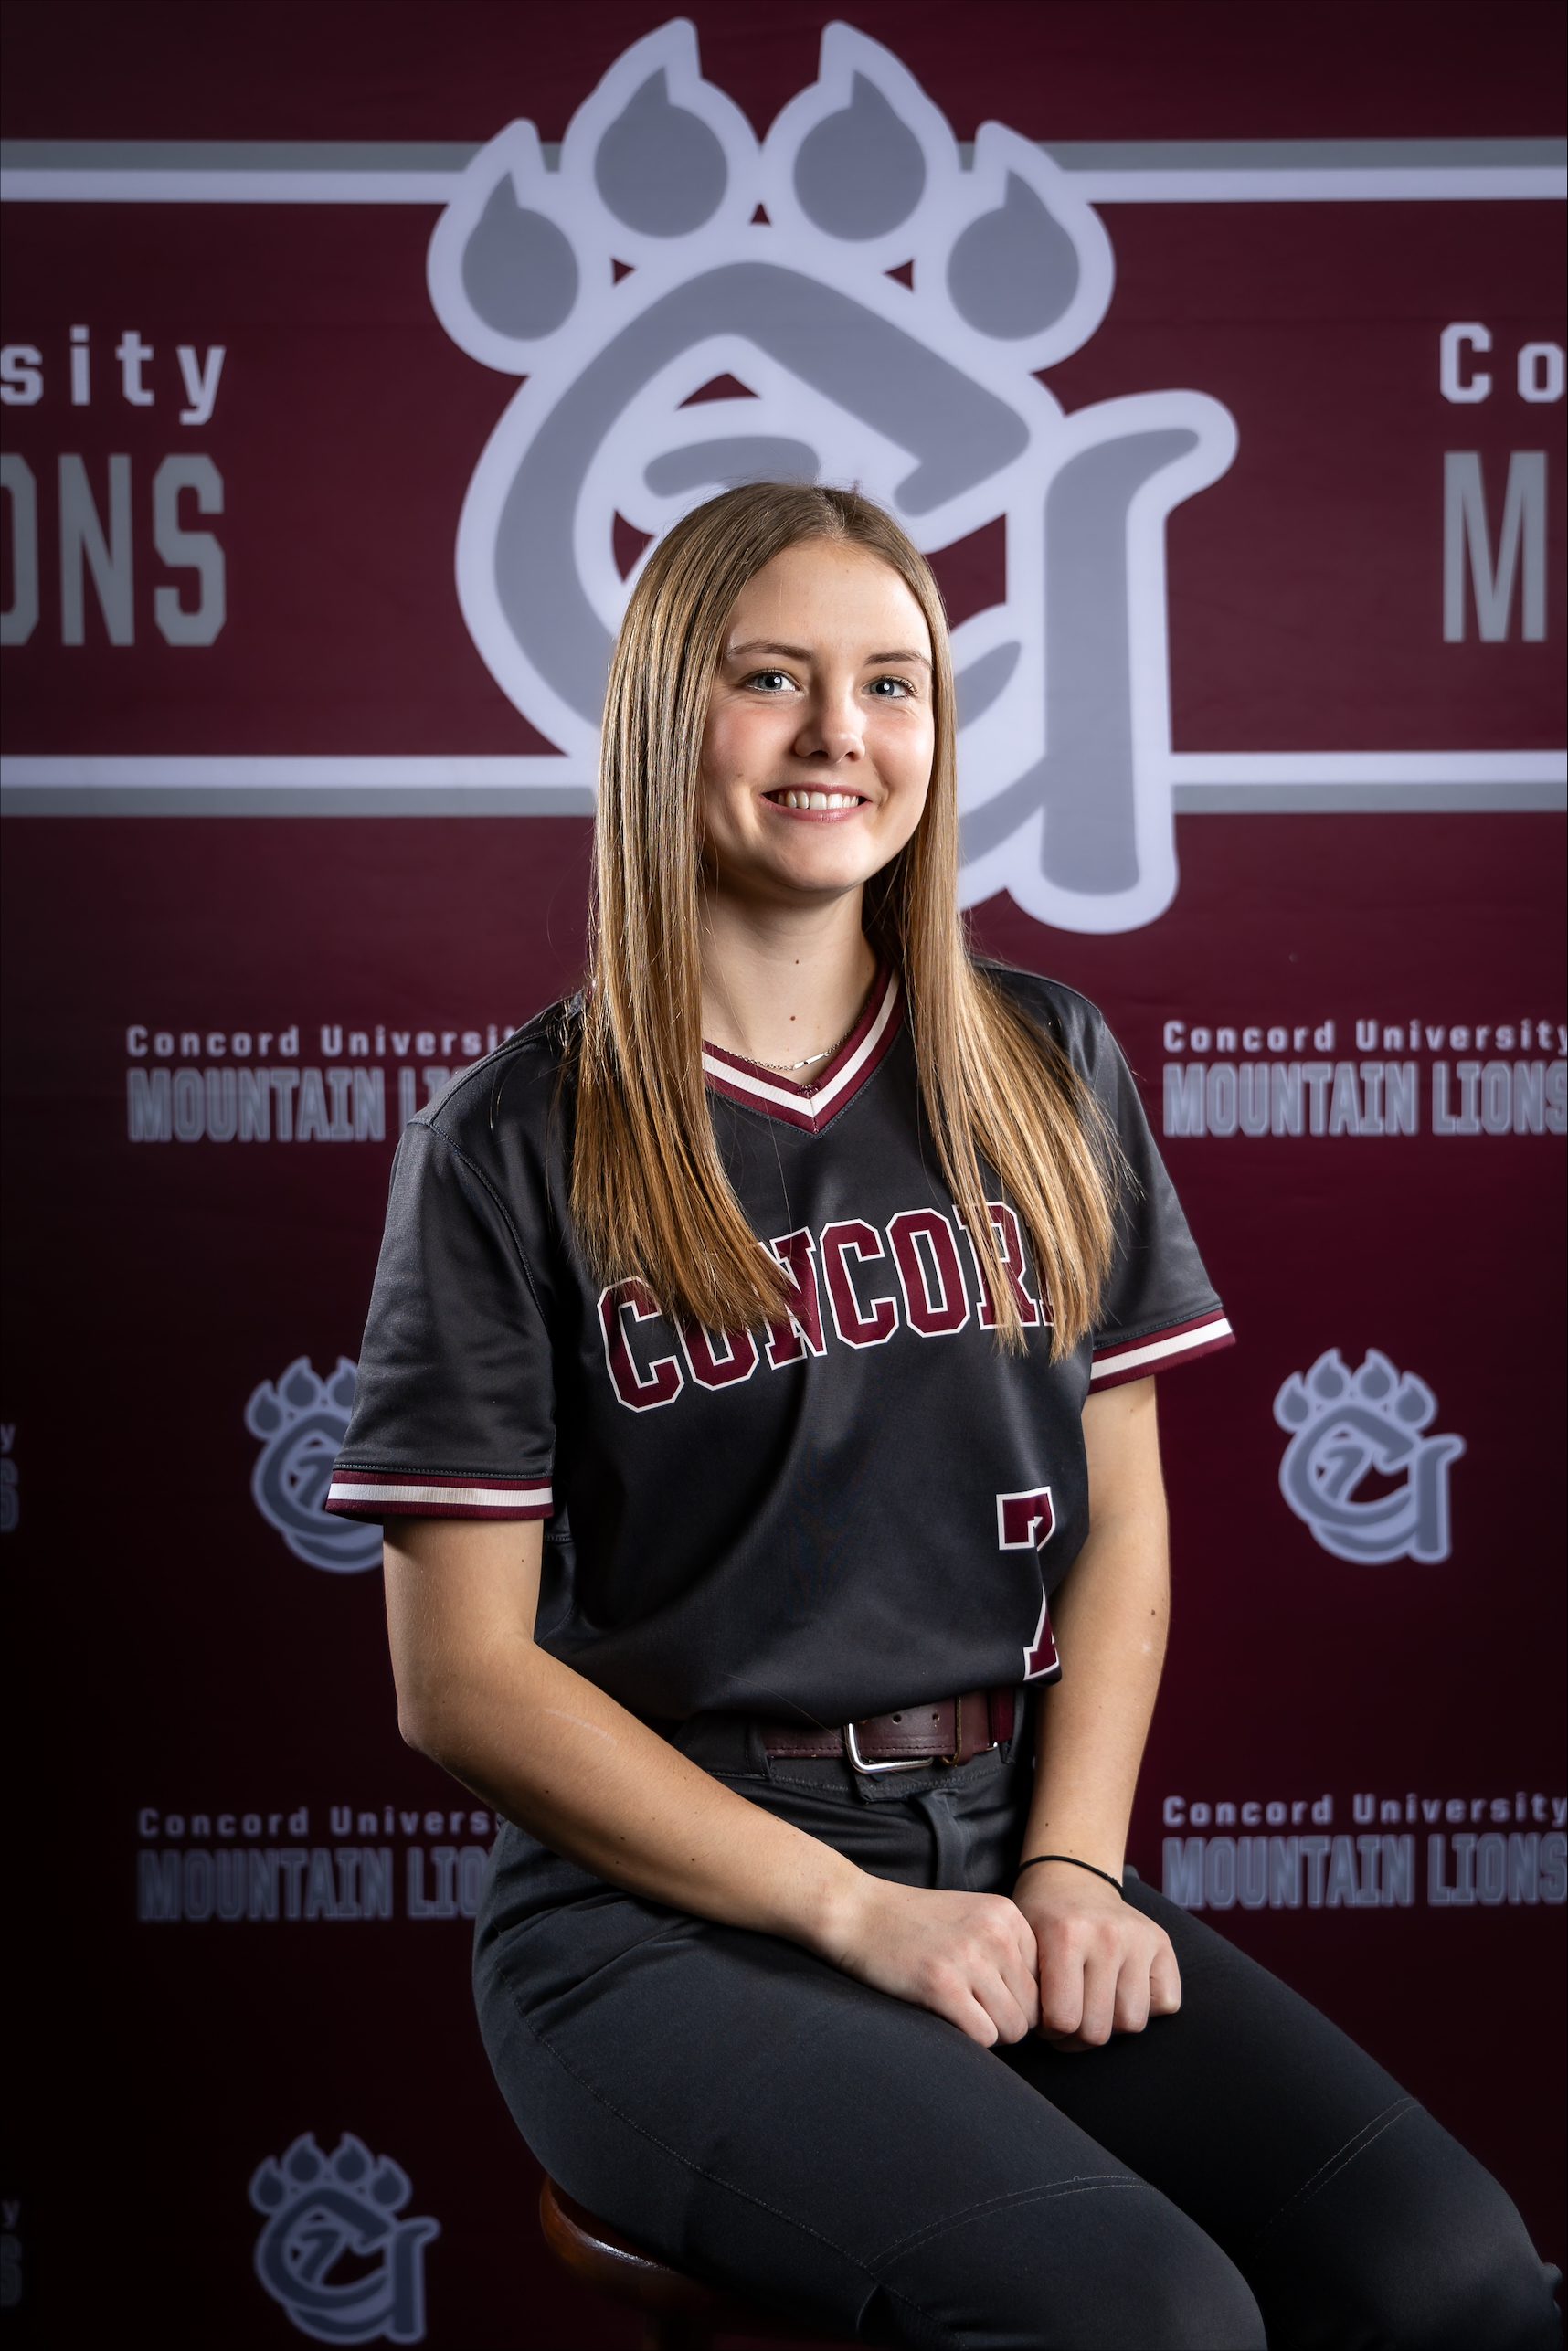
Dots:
pixel 804 653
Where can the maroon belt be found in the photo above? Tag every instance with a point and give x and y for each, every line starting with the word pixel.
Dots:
pixel 943 1731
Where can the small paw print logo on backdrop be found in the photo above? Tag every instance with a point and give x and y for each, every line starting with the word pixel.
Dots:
pixel 323 2211
pixel 303 1421
pixel 852 302
pixel 1352 1427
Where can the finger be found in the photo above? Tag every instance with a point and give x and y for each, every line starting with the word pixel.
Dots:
pixel 973 2019
pixel 1132 1994
pixel 1164 1982
pixel 1015 2017
pixel 1019 1965
pixel 1103 1954
pixel 1020 1973
pixel 1002 2004
pixel 1101 1975
pixel 1061 1995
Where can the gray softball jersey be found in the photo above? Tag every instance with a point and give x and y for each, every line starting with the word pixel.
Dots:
pixel 865 1508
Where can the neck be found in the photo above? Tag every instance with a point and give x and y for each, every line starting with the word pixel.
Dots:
pixel 781 986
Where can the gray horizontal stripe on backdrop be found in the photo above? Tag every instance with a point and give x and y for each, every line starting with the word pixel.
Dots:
pixel 1073 155
pixel 1367 799
pixel 250 154
pixel 291 800
pixel 578 800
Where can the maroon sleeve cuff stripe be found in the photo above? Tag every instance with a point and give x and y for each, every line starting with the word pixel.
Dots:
pixel 391 1494
pixel 1178 1342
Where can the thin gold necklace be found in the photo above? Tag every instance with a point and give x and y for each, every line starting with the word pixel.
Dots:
pixel 787 1068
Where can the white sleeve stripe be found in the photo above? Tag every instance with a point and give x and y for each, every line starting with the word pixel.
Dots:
pixel 467 1498
pixel 1160 1351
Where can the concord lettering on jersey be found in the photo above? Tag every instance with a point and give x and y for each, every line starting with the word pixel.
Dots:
pixel 910 1275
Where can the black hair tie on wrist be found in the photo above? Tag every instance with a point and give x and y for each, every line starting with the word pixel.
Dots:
pixel 1077 1864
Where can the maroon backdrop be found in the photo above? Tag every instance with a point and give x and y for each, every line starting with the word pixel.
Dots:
pixel 193 1683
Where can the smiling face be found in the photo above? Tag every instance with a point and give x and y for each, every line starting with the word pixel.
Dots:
pixel 820 732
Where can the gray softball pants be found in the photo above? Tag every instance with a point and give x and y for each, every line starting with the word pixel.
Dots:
pixel 1236 2176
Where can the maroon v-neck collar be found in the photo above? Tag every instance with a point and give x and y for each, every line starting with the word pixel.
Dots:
pixel 815 1105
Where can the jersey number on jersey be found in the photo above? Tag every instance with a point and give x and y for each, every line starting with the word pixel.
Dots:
pixel 1027 1523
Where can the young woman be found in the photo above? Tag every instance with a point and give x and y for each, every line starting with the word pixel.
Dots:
pixel 759 1338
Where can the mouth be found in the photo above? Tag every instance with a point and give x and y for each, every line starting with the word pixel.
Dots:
pixel 793 801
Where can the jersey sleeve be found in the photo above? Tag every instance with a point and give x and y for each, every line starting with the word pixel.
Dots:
pixel 454 1408
pixel 1160 1306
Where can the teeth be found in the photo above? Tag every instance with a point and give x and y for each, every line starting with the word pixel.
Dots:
pixel 817 799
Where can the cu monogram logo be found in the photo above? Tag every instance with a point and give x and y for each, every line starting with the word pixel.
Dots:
pixel 303 1422
pixel 848 298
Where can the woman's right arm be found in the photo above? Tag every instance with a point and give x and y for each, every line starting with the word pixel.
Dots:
pixel 554 1752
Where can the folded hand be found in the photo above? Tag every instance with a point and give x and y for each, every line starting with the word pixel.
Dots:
pixel 1103 1967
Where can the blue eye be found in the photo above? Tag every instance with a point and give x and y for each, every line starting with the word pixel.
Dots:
pixel 780 677
pixel 902 686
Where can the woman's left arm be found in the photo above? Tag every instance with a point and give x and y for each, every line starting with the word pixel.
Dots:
pixel 1103 1967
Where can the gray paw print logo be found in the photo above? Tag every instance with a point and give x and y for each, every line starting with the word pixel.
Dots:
pixel 853 301
pixel 1348 1427
pixel 333 2252
pixel 303 1421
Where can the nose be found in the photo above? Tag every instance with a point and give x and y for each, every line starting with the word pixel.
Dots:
pixel 832 728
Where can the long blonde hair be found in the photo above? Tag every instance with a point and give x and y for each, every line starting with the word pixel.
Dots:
pixel 650 1195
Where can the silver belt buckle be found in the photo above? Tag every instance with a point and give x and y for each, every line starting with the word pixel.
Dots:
pixel 908 1763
